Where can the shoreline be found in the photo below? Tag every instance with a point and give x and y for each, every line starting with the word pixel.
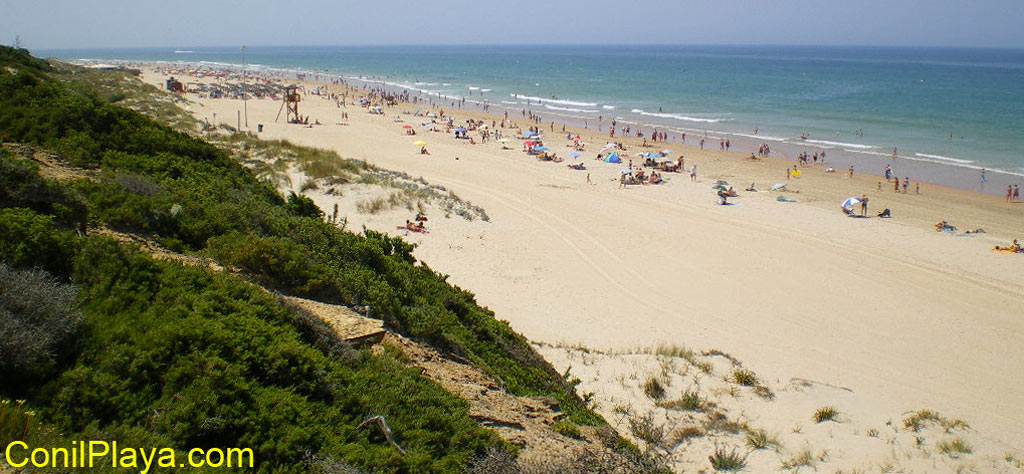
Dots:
pixel 907 317
pixel 918 167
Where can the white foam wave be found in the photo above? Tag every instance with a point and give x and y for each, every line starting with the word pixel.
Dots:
pixel 841 144
pixel 570 109
pixel 474 88
pixel 677 116
pixel 944 158
pixel 485 90
pixel 509 103
pixel 554 101
pixel 608 107
pixel 183 51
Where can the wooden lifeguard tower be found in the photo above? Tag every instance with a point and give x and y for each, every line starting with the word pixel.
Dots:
pixel 291 101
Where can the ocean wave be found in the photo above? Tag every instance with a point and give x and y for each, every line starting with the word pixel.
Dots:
pixel 677 116
pixel 554 101
pixel 474 88
pixel 760 137
pixel 570 109
pixel 509 103
pixel 183 51
pixel 608 107
pixel 485 90
pixel 944 158
pixel 841 144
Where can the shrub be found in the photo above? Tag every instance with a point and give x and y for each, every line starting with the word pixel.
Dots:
pixel 825 413
pixel 567 428
pixel 653 388
pixel 690 400
pixel 744 377
pixel 28 239
pixel 761 439
pixel 723 460
pixel 38 322
pixel 954 447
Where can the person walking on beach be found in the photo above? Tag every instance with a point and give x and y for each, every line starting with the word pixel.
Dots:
pixel 982 179
pixel 1016 193
pixel 851 171
pixel 701 143
pixel 896 185
pixel 906 184
pixel 1009 193
pixel 864 205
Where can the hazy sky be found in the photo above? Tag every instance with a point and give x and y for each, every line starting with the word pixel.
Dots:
pixel 123 23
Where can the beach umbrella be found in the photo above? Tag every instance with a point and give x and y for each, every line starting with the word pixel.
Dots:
pixel 850 201
pixel 529 133
pixel 406 126
pixel 719 187
pixel 625 171
pixel 541 148
pixel 419 143
pixel 460 129
pixel 778 186
pixel 666 151
pixel 573 154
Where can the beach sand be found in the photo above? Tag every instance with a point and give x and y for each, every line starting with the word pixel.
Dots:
pixel 903 316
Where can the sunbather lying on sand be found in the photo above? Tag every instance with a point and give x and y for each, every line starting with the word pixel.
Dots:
pixel 943 226
pixel 1013 248
pixel 418 227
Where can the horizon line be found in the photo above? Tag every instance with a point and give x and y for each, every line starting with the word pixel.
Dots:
pixel 421 45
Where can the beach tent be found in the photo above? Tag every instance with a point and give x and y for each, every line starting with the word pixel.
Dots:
pixel 612 158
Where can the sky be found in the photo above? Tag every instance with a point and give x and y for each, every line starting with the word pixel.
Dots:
pixel 46 24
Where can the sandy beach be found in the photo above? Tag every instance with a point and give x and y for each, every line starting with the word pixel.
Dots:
pixel 902 316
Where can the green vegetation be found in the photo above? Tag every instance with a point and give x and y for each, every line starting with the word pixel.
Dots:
pixel 744 377
pixel 921 418
pixel 690 400
pixel 954 447
pixel 567 428
pixel 761 439
pixel 723 460
pixel 825 413
pixel 171 355
pixel 653 388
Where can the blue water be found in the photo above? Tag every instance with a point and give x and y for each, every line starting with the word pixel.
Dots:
pixel 911 99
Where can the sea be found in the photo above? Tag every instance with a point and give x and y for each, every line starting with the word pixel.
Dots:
pixel 948 113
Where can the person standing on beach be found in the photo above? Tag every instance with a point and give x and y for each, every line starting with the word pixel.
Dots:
pixel 1016 193
pixel 982 179
pixel 864 205
pixel 701 143
pixel 896 185
pixel 906 184
pixel 851 171
pixel 1009 193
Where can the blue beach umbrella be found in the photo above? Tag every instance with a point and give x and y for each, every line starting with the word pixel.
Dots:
pixel 850 201
pixel 540 148
pixel 573 154
pixel 529 133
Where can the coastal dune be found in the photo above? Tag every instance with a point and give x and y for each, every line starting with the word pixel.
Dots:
pixel 903 316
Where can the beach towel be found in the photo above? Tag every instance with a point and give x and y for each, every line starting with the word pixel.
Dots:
pixel 784 199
